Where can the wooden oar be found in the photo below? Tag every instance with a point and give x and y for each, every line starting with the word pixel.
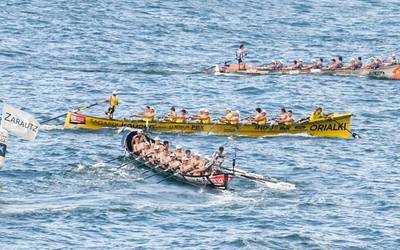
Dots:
pixel 74 110
pixel 147 177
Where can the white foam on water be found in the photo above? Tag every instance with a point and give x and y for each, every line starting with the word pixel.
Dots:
pixel 47 127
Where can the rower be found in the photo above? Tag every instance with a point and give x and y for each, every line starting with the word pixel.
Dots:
pixel 165 158
pixel 289 118
pixel 294 65
pixel 391 60
pixel 300 64
pixel 317 114
pixel 166 145
pixel 178 152
pixel 227 117
pixel 282 116
pixel 203 117
pixel 260 118
pixel 174 162
pixel 352 65
pixel 185 165
pixel 201 167
pixel 333 65
pixel 136 145
pixel 313 65
pixel 240 56
pixel 188 154
pixel 235 118
pixel 339 65
pixel 148 115
pixel 279 65
pixel 113 101
pixel 320 63
pixel 181 117
pixel 171 117
pixel 359 63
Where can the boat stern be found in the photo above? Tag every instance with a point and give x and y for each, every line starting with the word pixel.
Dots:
pixel 335 126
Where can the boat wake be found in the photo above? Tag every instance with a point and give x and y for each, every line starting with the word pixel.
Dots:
pixel 51 127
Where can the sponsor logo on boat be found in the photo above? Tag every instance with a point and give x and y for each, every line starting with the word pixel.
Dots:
pixel 77 119
pixel 329 127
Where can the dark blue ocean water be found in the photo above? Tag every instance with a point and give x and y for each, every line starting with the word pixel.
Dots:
pixel 57 192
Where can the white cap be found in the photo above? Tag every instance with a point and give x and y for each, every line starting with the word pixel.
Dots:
pixel 139 131
pixel 273 61
pixel 314 60
pixel 352 59
pixel 201 110
pixel 196 153
pixel 207 157
pixel 151 107
pixel 205 111
pixel 115 92
pixel 157 138
pixel 228 109
pixel 185 158
pixel 300 60
pixel 178 147
pixel 237 112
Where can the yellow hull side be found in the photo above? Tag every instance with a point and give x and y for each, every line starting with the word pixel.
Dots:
pixel 335 127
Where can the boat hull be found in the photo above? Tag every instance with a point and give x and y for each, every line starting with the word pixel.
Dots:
pixel 220 180
pixel 336 126
pixel 387 72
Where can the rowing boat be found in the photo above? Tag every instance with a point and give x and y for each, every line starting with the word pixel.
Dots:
pixel 386 72
pixel 333 126
pixel 219 179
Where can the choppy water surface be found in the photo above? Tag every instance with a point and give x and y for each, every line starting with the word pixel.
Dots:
pixel 57 192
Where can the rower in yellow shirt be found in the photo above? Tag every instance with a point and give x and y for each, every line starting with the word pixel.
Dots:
pixel 317 114
pixel 181 117
pixel 260 118
pixel 148 115
pixel 113 101
pixel 230 117
pixel 204 117
pixel 171 117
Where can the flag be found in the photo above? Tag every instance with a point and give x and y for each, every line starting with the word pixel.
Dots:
pixel 19 122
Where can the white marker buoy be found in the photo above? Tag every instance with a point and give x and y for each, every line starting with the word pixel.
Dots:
pixel 3 146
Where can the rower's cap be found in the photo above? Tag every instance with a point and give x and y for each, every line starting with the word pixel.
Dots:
pixel 352 59
pixel 227 109
pixel 314 60
pixel 157 138
pixel 172 155
pixel 201 110
pixel 178 147
pixel 206 111
pixel 185 158
pixel 273 61
pixel 300 60
pixel 147 143
pixel 115 92
pixel 207 157
pixel 151 107
pixel 140 131
pixel 196 153
pixel 237 112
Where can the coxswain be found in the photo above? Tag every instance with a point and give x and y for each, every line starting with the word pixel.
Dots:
pixel 113 100
pixel 203 117
pixel 171 117
pixel 340 64
pixel 217 159
pixel 317 114
pixel 260 118
pixel 181 117
pixel 241 55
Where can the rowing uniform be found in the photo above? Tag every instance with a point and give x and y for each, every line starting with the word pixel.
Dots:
pixel 148 117
pixel 315 116
pixel 180 119
pixel 358 65
pixel 259 121
pixel 206 120
pixel 339 65
pixel 240 56
pixel 171 117
pixel 113 100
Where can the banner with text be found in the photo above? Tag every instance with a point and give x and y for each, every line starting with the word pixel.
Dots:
pixel 19 122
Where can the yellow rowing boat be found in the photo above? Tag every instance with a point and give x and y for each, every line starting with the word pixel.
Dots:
pixel 334 126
